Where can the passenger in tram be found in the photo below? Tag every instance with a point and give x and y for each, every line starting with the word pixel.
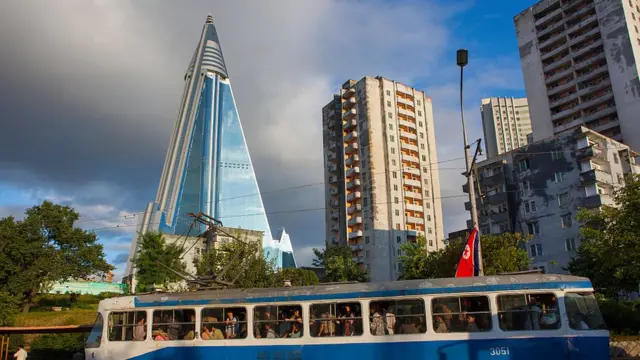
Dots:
pixel 190 328
pixel 533 320
pixel 270 334
pixel 377 324
pixel 439 324
pixel 139 331
pixel 295 332
pixel 206 333
pixel 232 328
pixel 549 318
pixel 160 335
pixel 284 327
pixel 173 329
pixel 390 320
pixel 447 317
pixel 471 323
pixel 348 321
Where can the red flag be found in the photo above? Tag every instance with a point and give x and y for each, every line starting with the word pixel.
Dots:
pixel 469 262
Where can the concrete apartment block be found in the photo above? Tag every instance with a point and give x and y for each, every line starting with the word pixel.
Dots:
pixel 505 123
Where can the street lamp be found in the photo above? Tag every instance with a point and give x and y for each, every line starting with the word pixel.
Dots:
pixel 462 59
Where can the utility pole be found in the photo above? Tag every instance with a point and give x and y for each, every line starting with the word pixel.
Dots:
pixel 462 59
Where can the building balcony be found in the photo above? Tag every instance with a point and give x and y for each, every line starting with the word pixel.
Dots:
pixel 353 183
pixel 406 135
pixel 579 52
pixel 349 124
pixel 408 146
pixel 548 16
pixel 404 101
pixel 355 220
pixel 606 126
pixel 347 93
pixel 332 112
pixel 493 199
pixel 412 195
pixel 565 100
pixel 358 259
pixel 582 24
pixel 410 158
pixel 357 247
pixel 334 240
pixel 596 176
pixel 411 170
pixel 565 60
pixel 564 113
pixel 599 114
pixel 334 202
pixel 569 125
pixel 582 37
pixel 353 171
pixel 593 73
pixel 349 103
pixel 554 38
pixel 332 167
pixel 355 234
pixel 561 87
pixel 414 220
pixel 594 87
pixel 493 180
pixel 354 208
pixel 333 179
pixel 590 202
pixel 335 214
pixel 351 136
pixel 354 195
pixel 352 160
pixel 332 145
pixel 590 152
pixel 335 227
pixel 408 124
pixel 552 27
pixel 333 191
pixel 413 207
pixel 331 156
pixel 406 112
pixel 499 217
pixel 595 100
pixel 412 182
pixel 349 114
pixel 551 53
pixel 351 148
pixel 558 75
pixel 590 61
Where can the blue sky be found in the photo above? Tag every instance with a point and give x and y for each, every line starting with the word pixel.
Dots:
pixel 93 132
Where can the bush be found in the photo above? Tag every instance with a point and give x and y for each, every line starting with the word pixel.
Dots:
pixel 71 300
pixel 621 317
pixel 57 346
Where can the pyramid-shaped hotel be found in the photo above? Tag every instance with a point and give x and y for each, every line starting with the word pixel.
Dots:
pixel 207 167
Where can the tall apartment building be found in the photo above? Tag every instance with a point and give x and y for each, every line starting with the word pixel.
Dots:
pixel 538 189
pixel 505 123
pixel 579 59
pixel 381 172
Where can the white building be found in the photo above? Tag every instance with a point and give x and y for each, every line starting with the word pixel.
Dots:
pixel 381 172
pixel 579 59
pixel 505 123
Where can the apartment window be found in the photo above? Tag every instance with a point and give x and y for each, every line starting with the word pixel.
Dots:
pixel 399 252
pixel 428 217
pixel 389 103
pixel 419 113
pixel 390 115
pixel 504 227
pixel 422 146
pixel 564 199
pixel 395 200
pixel 398 239
pixel 533 227
pixel 525 185
pixel 565 221
pixel 529 206
pixel 536 249
pixel 393 150
pixel 421 135
pixel 620 179
pixel 388 93
pixel 397 212
pixel 524 165
pixel 391 138
pixel 570 244
pixel 397 226
pixel 426 181
pixel 424 169
pixel 366 226
pixel 557 155
pixel 430 231
pixel 430 242
pixel 395 187
pixel 426 193
pixel 418 101
pixel 558 177
pixel 365 201
pixel 420 123
pixel 428 205
pixel 390 125
pixel 393 162
pixel 367 254
pixel 395 175
pixel 615 159
pixel 366 239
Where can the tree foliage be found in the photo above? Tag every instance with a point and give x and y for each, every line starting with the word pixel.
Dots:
pixel 501 253
pixel 43 248
pixel 154 250
pixel 338 264
pixel 609 253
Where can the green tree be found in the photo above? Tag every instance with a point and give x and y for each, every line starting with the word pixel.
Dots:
pixel 154 250
pixel 501 253
pixel 609 253
pixel 43 248
pixel 338 264
pixel 298 277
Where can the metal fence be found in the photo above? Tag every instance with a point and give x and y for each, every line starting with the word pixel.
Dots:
pixel 4 347
pixel 625 347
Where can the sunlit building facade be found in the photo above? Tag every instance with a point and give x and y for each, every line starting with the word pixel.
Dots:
pixel 208 168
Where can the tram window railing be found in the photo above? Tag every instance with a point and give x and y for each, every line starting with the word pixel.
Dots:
pixel 174 324
pixel 127 326
pixel 583 312
pixel 278 321
pixel 461 314
pixel 336 319
pixel 223 323
pixel 528 312
pixel 397 317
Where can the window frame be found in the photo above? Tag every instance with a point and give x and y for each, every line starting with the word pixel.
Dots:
pixel 161 310
pixel 528 294
pixel 125 325
pixel 336 304
pixel 425 314
pixel 490 311
pixel 222 321
pixel 303 311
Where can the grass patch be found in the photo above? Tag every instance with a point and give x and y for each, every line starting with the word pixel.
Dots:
pixel 57 318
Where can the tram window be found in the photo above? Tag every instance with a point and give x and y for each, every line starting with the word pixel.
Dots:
pixel 397 317
pixel 461 314
pixel 520 312
pixel 224 323
pixel 127 326
pixel 278 321
pixel 583 312
pixel 174 324
pixel 336 319
pixel 95 336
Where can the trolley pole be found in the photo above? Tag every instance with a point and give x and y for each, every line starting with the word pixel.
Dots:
pixel 462 59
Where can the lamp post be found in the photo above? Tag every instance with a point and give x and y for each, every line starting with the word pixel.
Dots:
pixel 462 59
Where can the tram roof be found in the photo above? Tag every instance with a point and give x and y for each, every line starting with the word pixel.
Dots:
pixel 344 291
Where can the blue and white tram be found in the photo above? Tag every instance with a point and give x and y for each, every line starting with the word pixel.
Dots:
pixel 502 317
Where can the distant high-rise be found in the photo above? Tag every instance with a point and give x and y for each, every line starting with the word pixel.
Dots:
pixel 506 124
pixel 207 167
pixel 381 173
pixel 580 65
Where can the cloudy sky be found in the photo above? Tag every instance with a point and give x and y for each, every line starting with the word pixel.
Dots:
pixel 89 91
